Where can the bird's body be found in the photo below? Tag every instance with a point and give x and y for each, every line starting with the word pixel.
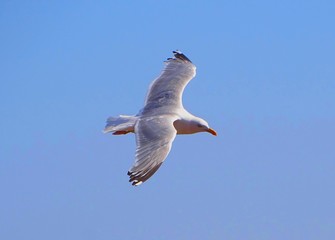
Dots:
pixel 162 117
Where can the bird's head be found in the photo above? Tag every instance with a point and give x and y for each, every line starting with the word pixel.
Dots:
pixel 202 126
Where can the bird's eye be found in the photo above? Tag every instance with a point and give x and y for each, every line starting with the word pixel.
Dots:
pixel 200 125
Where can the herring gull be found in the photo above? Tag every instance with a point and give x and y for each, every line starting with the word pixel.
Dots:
pixel 162 117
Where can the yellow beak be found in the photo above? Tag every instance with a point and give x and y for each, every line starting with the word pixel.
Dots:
pixel 212 131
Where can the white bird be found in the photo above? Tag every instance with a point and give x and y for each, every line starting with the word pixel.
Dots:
pixel 162 117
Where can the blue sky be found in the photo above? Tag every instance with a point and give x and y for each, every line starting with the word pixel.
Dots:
pixel 265 81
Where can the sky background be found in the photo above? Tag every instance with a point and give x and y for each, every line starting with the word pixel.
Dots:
pixel 265 82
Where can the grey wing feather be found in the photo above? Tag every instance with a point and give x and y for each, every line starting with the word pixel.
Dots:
pixel 154 137
pixel 168 88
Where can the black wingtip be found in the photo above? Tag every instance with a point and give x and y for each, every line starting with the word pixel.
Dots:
pixel 137 178
pixel 179 55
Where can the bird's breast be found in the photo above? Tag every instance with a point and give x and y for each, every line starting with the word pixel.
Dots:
pixel 184 127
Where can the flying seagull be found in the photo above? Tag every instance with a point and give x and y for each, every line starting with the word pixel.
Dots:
pixel 161 119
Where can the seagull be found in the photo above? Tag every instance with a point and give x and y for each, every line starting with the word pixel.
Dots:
pixel 160 120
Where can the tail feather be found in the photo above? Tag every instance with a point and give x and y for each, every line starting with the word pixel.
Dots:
pixel 120 125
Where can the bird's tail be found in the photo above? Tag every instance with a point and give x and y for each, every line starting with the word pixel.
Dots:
pixel 120 125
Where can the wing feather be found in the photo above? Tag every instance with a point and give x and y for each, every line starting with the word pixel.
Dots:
pixel 154 137
pixel 167 89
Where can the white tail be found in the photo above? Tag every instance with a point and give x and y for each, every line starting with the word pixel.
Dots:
pixel 120 125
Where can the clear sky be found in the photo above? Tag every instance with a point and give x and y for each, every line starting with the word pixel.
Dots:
pixel 265 82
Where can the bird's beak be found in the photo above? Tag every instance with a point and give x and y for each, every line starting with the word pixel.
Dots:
pixel 212 131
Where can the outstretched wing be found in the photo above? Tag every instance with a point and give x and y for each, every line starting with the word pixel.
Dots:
pixel 154 137
pixel 167 89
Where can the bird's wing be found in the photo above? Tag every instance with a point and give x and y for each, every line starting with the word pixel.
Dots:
pixel 167 89
pixel 154 137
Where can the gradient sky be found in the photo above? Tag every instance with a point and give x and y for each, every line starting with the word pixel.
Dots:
pixel 265 81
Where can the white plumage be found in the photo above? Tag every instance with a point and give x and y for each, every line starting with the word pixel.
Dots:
pixel 162 117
